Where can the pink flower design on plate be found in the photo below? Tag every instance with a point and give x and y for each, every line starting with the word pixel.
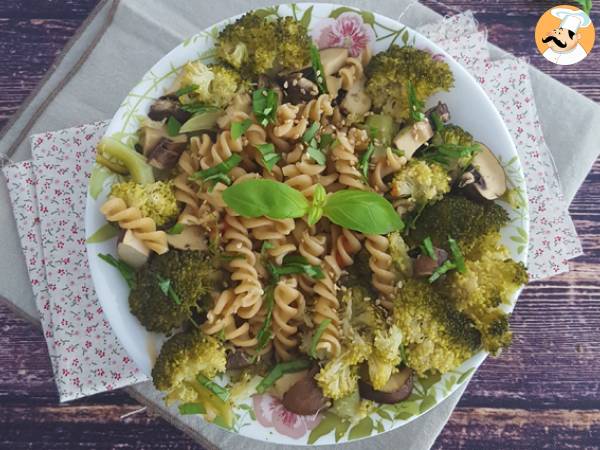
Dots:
pixel 348 30
pixel 271 413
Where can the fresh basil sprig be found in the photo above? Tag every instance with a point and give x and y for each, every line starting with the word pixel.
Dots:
pixel 316 209
pixel 362 211
pixel 264 105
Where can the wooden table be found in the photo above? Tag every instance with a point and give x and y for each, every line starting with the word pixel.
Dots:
pixel 542 393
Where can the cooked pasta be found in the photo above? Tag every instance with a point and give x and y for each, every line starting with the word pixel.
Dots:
pixel 288 310
pixel 346 163
pixel 380 262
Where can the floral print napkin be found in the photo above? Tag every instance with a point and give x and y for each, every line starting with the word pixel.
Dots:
pixel 48 198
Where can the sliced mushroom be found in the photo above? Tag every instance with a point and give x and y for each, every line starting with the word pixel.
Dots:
pixel 150 136
pixel 285 382
pixel 305 397
pixel 356 101
pixel 334 84
pixel 190 238
pixel 332 60
pixel 166 106
pixel 132 250
pixel 298 89
pixel 425 265
pixel 166 153
pixel 485 179
pixel 398 388
pixel 238 359
pixel 413 136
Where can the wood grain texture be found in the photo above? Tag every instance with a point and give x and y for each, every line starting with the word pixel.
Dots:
pixel 543 393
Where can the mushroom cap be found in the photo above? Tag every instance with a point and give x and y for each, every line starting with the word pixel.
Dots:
pixel 486 178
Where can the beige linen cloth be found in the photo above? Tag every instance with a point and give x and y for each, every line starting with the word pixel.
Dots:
pixel 116 46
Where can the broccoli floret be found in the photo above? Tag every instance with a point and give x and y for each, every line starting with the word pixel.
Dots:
pixel 389 72
pixel 190 274
pixel 184 356
pixel 437 337
pixel 256 45
pixel 155 200
pixel 385 357
pixel 399 253
pixel 452 134
pixel 419 182
pixel 217 84
pixel 112 153
pixel 466 221
pixel 339 377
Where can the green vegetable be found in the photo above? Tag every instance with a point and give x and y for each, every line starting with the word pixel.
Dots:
pixel 444 268
pixel 239 128
pixel 457 257
pixel 155 200
pixel 311 132
pixel 389 72
pixel 315 212
pixel 191 408
pixel 269 158
pixel 317 336
pixel 449 154
pixel 104 233
pixel 315 59
pixel 264 105
pixel 213 387
pixel 176 229
pixel 216 84
pixel 427 248
pixel 438 124
pixel 264 334
pixel 281 369
pixel 173 126
pixel 220 169
pixel 165 286
pixel 126 271
pixel 256 198
pixel 363 211
pixel 317 155
pixel 326 141
pixel 292 264
pixel 420 183
pixel 416 106
pixel 199 108
pixel 206 120
pixel 141 172
pixel 363 164
pixel 186 90
pixel 381 127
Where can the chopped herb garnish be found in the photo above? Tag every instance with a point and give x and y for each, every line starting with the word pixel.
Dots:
pixel 126 271
pixel 457 257
pixel 264 334
pixel 176 229
pixel 416 106
pixel 427 248
pixel 220 169
pixel 315 58
pixel 239 128
pixel 173 126
pixel 264 105
pixel 220 392
pixel 447 266
pixel 317 336
pixel 198 108
pixel 191 408
pixel 363 164
pixel 266 245
pixel 165 286
pixel 438 124
pixel 316 154
pixel 326 141
pixel 311 132
pixel 280 370
pixel 269 157
pixel 445 154
pixel 186 90
pixel 295 264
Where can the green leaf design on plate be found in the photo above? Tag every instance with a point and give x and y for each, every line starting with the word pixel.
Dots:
pixel 379 426
pixel 104 233
pixel 518 239
pixel 429 381
pixel 219 421
pixel 329 422
pixel 406 409
pixel 428 402
pixel 362 429
pixel 405 37
pixel 450 381
pixel 307 17
pixel 340 429
pixel 367 16
pixel 465 375
pixel 267 12
pixel 383 413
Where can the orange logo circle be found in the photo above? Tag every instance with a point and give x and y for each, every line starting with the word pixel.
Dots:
pixel 564 35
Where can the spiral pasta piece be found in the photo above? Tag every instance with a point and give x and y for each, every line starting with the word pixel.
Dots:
pixel 289 126
pixel 380 262
pixel 326 307
pixel 222 149
pixel 345 244
pixel 311 247
pixel 318 108
pixel 221 319
pixel 288 308
pixel 130 218
pixel 346 163
pixel 384 167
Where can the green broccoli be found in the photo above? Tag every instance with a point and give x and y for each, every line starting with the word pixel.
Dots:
pixel 400 257
pixel 437 337
pixel 155 200
pixel 466 221
pixel 419 183
pixel 385 357
pixel 452 134
pixel 189 274
pixel 121 158
pixel 257 46
pixel 217 84
pixel 389 72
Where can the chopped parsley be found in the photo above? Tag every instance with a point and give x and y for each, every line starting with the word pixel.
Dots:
pixel 311 132
pixel 269 158
pixel 176 229
pixel 219 172
pixel 427 248
pixel 165 286
pixel 363 164
pixel 239 128
pixel 264 105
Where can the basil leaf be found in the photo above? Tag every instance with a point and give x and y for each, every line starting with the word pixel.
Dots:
pixel 222 168
pixel 427 248
pixel 317 155
pixel 173 126
pixel 269 158
pixel 447 266
pixel 175 229
pixel 165 286
pixel 126 271
pixel 186 90
pixel 104 233
pixel 191 408
pixel 315 59
pixel 311 132
pixel 457 257
pixel 264 105
pixel 315 212
pixel 213 387
pixel 315 339
pixel 257 198
pixel 239 128
pixel 363 211
pixel 280 370
pixel 416 106
pixel 363 164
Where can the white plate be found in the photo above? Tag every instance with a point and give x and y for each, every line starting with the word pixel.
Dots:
pixel 469 107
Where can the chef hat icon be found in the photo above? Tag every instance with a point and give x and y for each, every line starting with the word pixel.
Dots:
pixel 571 19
